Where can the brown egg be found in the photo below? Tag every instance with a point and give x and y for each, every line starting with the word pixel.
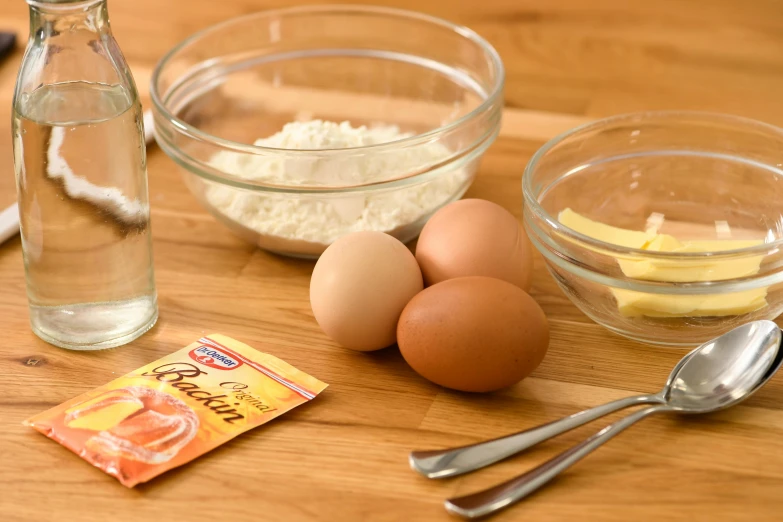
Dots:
pixel 359 287
pixel 474 237
pixel 473 334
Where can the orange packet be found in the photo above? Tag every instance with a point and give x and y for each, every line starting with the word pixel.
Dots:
pixel 177 408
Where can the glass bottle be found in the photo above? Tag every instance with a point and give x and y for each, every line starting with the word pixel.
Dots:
pixel 81 176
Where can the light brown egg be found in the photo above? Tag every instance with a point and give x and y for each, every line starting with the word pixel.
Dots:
pixel 359 287
pixel 474 334
pixel 474 237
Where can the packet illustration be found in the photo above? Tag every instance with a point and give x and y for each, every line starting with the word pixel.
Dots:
pixel 177 408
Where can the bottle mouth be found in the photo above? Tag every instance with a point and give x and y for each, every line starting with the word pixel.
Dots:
pixel 63 5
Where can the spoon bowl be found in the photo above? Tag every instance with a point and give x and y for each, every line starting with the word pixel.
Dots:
pixel 724 371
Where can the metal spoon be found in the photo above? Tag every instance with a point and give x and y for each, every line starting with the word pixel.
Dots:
pixel 456 461
pixel 717 375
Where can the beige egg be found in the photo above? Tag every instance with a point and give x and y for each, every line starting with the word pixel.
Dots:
pixel 359 287
pixel 474 237
pixel 474 334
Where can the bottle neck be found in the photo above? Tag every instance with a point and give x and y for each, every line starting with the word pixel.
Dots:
pixel 57 17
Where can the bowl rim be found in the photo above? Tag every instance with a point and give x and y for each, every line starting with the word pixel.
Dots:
pixel 553 223
pixel 465 32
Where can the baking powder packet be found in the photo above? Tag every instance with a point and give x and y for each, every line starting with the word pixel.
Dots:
pixel 176 408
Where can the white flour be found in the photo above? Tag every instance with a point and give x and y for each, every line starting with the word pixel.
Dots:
pixel 323 218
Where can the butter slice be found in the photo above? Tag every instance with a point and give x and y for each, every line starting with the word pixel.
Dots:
pixel 664 243
pixel 605 233
pixel 718 245
pixel 652 270
pixel 631 303
pixel 685 270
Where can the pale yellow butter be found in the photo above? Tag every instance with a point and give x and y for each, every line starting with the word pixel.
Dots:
pixel 686 271
pixel 683 271
pixel 663 243
pixel 605 233
pixel 633 303
pixel 718 245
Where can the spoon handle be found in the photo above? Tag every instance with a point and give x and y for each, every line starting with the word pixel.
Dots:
pixel 485 502
pixel 456 461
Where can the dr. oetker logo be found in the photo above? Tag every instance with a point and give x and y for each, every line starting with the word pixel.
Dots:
pixel 214 358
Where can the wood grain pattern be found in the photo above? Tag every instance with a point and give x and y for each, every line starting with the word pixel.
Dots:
pixel 344 457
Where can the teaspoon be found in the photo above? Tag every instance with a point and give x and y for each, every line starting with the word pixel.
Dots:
pixel 715 376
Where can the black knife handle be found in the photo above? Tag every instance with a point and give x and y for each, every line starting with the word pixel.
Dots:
pixel 7 44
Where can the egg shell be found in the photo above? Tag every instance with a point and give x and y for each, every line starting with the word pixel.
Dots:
pixel 475 237
pixel 359 287
pixel 474 334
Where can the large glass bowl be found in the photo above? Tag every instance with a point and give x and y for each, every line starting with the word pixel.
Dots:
pixel 693 176
pixel 219 91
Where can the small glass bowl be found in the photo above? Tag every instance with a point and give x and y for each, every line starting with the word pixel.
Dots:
pixel 694 176
pixel 229 85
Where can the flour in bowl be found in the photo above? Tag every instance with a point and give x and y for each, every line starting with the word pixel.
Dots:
pixel 322 218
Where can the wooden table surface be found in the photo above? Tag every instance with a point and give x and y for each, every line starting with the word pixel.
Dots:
pixel 344 456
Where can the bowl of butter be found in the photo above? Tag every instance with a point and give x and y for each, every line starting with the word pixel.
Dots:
pixel 664 227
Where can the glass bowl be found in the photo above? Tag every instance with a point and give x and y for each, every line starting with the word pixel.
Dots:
pixel 702 194
pixel 434 88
